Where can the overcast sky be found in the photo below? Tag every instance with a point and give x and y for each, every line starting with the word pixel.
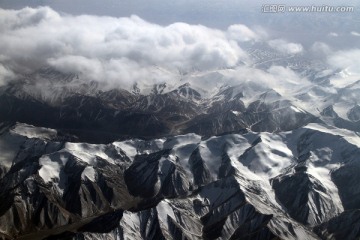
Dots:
pixel 217 14
pixel 213 13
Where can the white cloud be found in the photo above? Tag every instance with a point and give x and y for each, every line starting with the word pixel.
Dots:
pixel 5 75
pixel 113 50
pixel 321 49
pixel 121 51
pixel 333 34
pixel 356 34
pixel 285 47
pixel 242 33
pixel 348 61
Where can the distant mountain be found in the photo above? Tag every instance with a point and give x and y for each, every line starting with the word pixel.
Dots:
pixel 83 109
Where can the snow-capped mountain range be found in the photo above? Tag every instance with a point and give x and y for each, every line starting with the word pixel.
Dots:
pixel 207 155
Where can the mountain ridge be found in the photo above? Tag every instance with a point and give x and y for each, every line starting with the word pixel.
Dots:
pixel 86 172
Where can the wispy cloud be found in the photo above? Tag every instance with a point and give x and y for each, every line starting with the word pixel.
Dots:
pixel 286 47
pixel 357 34
pixel 348 60
pixel 242 33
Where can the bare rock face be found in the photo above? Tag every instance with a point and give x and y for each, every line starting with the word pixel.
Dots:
pixel 344 226
pixel 305 198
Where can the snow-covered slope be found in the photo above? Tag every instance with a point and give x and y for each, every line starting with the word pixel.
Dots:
pixel 217 154
pixel 259 185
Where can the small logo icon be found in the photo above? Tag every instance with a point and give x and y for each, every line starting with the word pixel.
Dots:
pixel 273 8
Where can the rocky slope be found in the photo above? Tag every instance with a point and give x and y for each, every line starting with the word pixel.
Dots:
pixel 204 157
pixel 288 185
pixel 83 109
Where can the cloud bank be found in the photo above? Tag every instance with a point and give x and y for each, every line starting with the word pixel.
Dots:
pixel 119 52
pixel 115 50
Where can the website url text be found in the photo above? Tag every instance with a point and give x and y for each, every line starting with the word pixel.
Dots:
pixel 281 8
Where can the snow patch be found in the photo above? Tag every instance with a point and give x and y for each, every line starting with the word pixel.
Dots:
pixel 182 146
pixel 88 173
pixel 51 167
pixel 297 109
pixel 164 209
pixel 349 136
pixel 88 152
pixel 137 146
pixel 342 109
pixel 34 132
pixel 236 113
pixel 323 174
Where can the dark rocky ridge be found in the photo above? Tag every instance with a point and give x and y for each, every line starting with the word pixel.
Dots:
pixel 172 188
pixel 89 114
